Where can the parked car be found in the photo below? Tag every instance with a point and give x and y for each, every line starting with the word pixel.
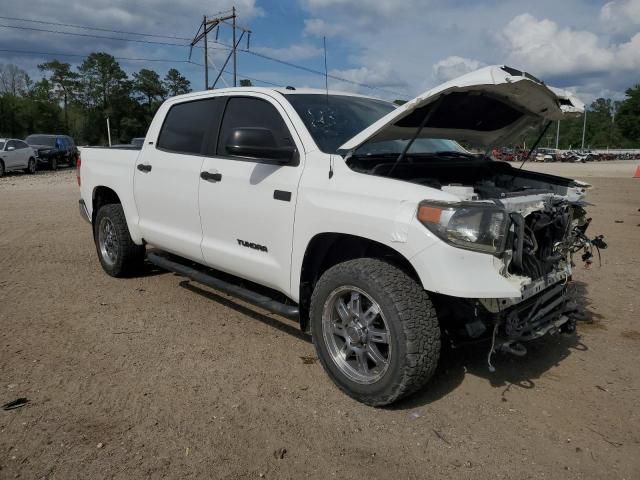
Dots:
pixel 400 234
pixel 16 155
pixel 52 150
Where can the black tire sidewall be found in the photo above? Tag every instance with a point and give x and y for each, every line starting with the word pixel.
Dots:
pixel 369 393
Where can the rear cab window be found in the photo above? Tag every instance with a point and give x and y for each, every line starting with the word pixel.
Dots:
pixel 189 127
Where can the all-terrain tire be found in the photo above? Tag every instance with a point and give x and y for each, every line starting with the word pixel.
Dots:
pixel 414 332
pixel 127 257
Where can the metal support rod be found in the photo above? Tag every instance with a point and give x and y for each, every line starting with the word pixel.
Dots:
pixel 584 128
pixel 226 62
pixel 235 80
pixel 109 131
pixel 535 144
pixel 558 135
pixel 206 56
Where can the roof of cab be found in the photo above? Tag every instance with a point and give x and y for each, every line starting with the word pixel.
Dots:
pixel 267 90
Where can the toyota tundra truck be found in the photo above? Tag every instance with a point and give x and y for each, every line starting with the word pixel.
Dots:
pixel 367 223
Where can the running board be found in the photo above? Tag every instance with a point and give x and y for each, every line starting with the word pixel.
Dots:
pixel 262 301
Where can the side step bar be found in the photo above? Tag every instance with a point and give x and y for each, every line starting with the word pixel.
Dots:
pixel 262 301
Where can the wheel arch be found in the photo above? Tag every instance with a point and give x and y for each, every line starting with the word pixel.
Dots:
pixel 327 249
pixel 100 196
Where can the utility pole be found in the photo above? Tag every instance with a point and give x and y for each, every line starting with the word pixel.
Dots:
pixel 235 62
pixel 205 27
pixel 206 54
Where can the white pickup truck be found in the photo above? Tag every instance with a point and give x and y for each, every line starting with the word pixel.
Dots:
pixel 366 222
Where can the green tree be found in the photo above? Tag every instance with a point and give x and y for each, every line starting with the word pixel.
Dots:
pixel 175 83
pixel 246 83
pixel 65 84
pixel 628 115
pixel 102 80
pixel 147 83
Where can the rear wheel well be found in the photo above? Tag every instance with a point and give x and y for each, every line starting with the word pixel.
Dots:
pixel 102 196
pixel 328 249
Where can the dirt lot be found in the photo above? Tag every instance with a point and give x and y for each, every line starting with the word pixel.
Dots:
pixel 155 377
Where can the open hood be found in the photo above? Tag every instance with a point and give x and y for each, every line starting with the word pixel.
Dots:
pixel 483 108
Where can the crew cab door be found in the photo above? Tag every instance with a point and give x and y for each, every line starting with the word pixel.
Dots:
pixel 247 204
pixel 167 177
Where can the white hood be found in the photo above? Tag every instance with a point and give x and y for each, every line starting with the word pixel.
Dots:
pixel 483 108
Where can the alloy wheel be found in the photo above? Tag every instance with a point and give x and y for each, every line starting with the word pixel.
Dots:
pixel 356 334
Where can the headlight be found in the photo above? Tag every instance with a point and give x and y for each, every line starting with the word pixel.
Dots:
pixel 474 226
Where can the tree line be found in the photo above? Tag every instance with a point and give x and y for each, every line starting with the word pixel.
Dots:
pixel 78 101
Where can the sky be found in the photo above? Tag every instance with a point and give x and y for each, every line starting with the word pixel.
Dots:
pixel 384 48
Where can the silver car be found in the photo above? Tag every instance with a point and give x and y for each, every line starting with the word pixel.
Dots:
pixel 16 155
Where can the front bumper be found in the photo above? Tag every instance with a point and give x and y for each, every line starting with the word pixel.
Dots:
pixel 84 213
pixel 543 313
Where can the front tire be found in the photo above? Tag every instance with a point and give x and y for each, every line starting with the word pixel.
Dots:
pixel 118 255
pixel 2 170
pixel 53 164
pixel 375 331
pixel 31 166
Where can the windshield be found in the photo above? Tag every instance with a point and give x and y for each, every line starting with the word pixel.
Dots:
pixel 334 119
pixel 41 140
pixel 1 145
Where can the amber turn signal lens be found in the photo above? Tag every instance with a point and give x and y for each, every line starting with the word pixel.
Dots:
pixel 429 214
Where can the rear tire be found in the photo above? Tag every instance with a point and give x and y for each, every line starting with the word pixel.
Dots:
pixel 2 170
pixel 375 331
pixel 118 255
pixel 31 166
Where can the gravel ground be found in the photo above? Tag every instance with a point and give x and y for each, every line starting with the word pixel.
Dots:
pixel 154 377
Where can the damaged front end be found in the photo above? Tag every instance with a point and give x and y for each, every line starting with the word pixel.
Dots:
pixel 544 238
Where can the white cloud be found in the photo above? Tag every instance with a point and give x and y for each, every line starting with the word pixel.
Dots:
pixel 453 66
pixel 621 15
pixel 544 48
pixel 367 7
pixel 292 52
pixel 628 55
pixel 380 74
pixel 319 28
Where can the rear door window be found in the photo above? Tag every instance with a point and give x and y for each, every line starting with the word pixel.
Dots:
pixel 188 126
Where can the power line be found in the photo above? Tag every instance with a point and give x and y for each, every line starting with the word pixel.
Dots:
pixel 86 27
pixel 54 54
pixel 129 59
pixel 151 42
pixel 317 72
pixel 103 37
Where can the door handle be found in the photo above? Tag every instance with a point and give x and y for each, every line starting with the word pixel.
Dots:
pixel 211 177
pixel 144 168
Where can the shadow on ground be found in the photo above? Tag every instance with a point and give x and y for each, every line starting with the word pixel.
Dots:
pixel 455 363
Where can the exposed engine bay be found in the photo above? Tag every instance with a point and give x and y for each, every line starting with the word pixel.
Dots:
pixel 547 228
pixel 467 176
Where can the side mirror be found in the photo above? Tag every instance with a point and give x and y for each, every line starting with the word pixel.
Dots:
pixel 10 149
pixel 257 142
